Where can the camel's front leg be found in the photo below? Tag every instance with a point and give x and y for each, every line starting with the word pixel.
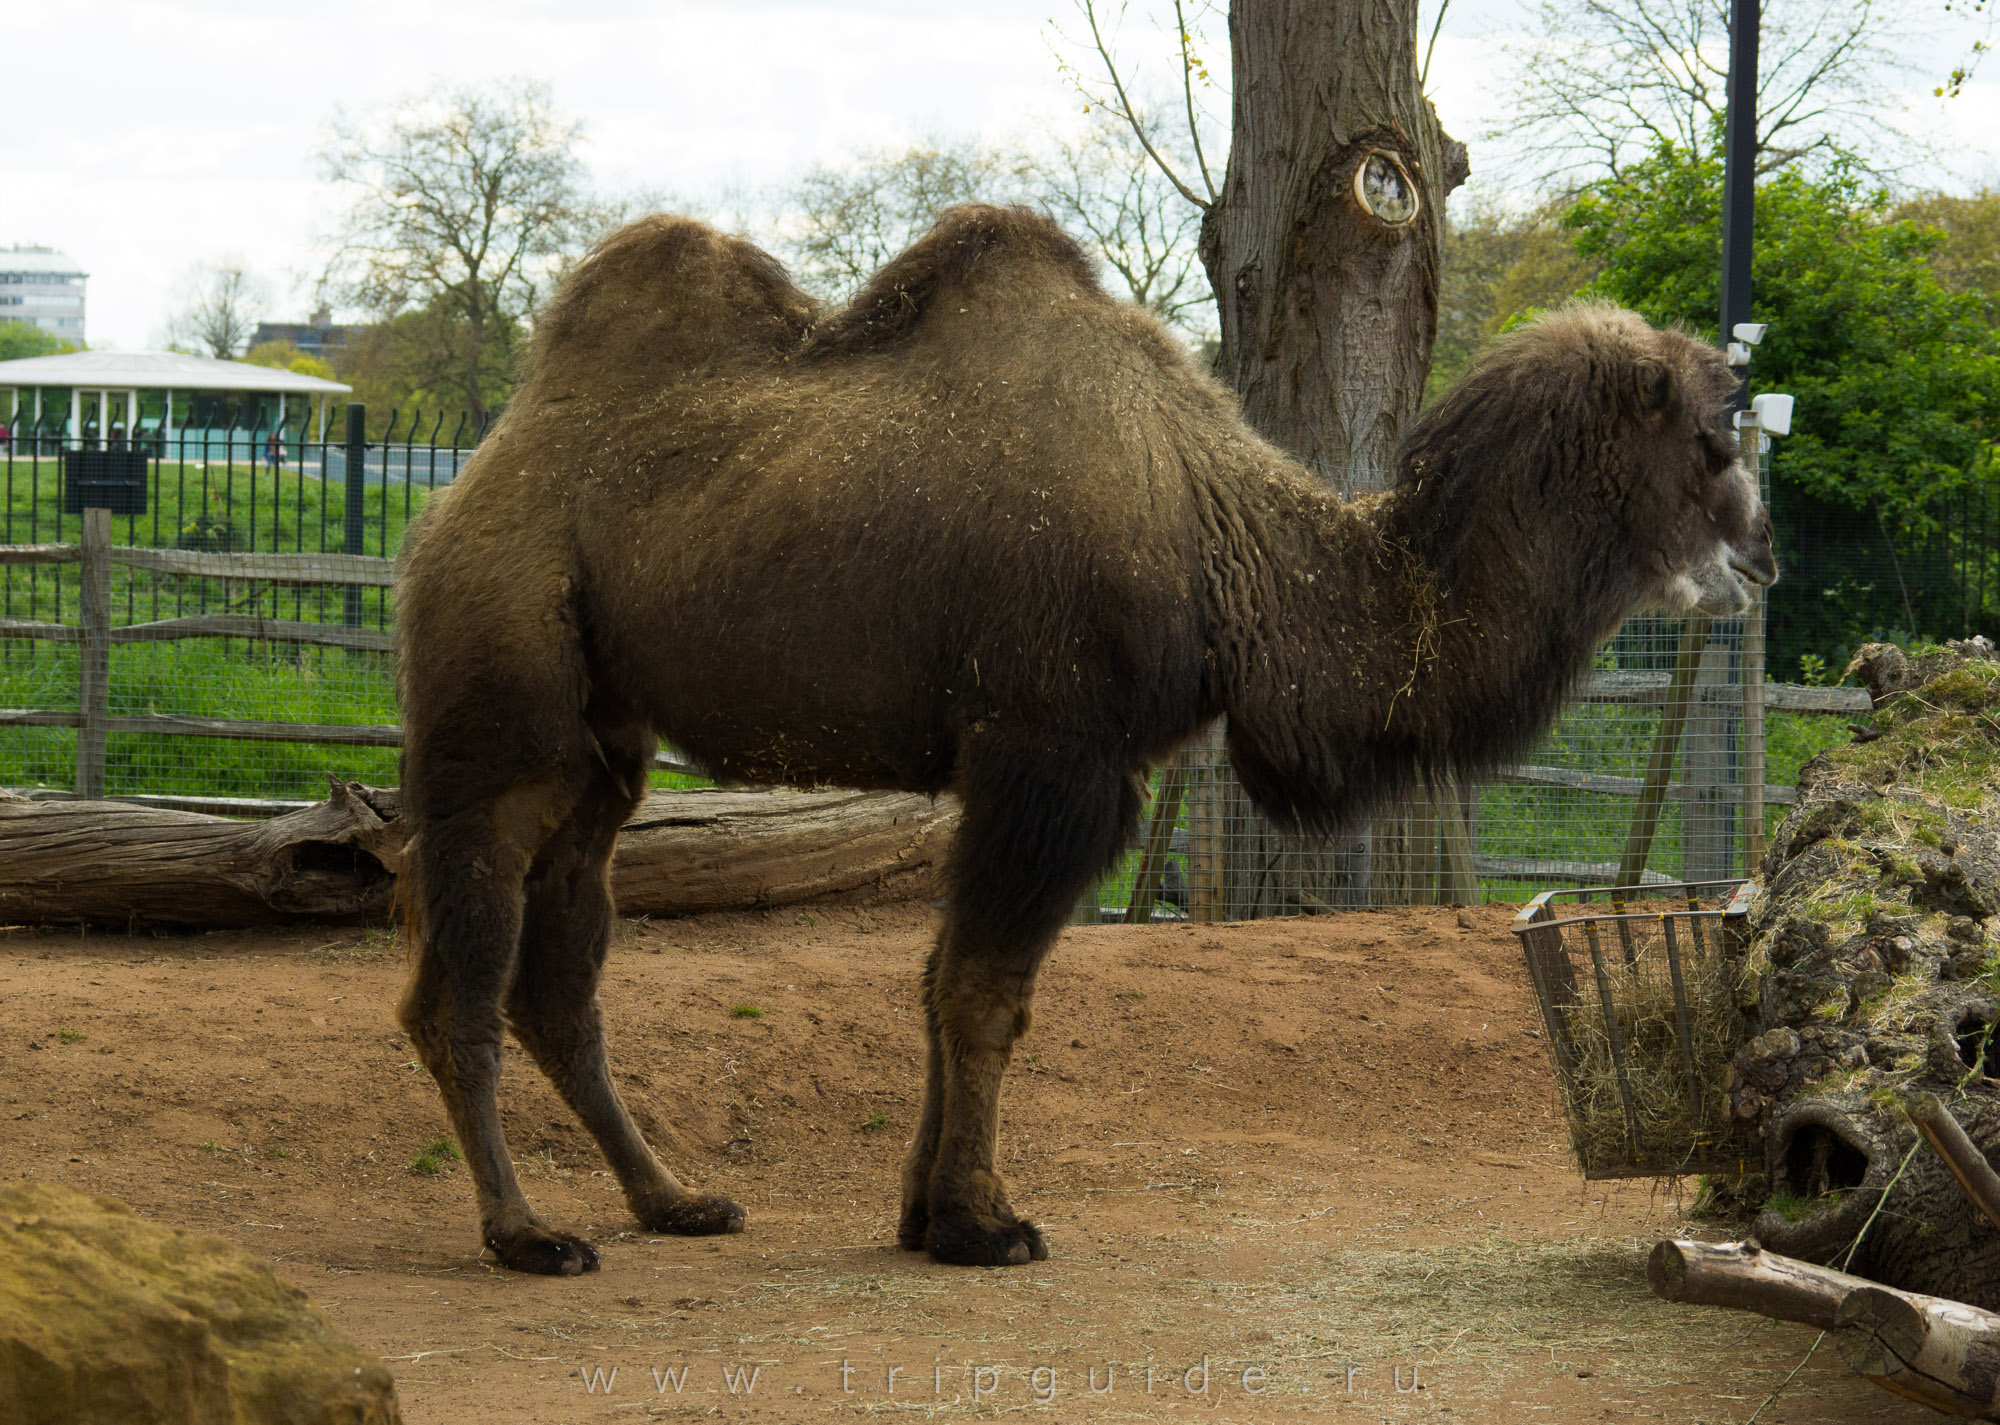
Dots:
pixel 1039 825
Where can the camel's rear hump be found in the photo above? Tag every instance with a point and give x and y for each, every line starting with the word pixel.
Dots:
pixel 661 297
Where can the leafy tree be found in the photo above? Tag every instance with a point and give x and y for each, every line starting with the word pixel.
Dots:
pixel 19 340
pixel 393 367
pixel 1968 258
pixel 1897 378
pixel 286 356
pixel 464 207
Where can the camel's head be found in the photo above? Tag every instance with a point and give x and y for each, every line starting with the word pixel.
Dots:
pixel 1712 539
pixel 1613 437
pixel 1692 525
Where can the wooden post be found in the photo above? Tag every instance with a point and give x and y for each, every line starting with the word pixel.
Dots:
pixel 1159 838
pixel 1666 744
pixel 1458 838
pixel 1206 770
pixel 1708 816
pixel 356 498
pixel 94 661
pixel 1750 446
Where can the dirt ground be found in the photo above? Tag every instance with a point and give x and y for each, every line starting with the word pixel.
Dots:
pixel 1287 1168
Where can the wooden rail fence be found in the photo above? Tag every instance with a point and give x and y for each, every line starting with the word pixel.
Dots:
pixel 94 633
pixel 96 637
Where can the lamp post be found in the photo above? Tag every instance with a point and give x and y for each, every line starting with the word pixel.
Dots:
pixel 1739 176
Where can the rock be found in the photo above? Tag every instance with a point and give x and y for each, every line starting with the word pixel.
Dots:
pixel 108 1319
pixel 1884 669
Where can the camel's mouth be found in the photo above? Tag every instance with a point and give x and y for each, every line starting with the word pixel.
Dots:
pixel 1722 585
pixel 1761 569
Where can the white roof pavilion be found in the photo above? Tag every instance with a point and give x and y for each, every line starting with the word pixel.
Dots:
pixel 126 373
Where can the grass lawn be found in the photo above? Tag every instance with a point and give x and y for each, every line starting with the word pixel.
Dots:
pixel 224 505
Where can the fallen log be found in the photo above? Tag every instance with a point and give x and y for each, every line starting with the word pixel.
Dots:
pixel 1944 1354
pixel 681 853
pixel 1744 1277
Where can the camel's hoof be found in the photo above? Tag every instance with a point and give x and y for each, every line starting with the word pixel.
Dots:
pixel 965 1243
pixel 705 1214
pixel 543 1252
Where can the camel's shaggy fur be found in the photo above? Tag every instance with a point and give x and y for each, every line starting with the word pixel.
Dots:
pixel 986 529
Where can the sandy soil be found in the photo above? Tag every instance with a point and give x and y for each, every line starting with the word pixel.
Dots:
pixel 1320 1158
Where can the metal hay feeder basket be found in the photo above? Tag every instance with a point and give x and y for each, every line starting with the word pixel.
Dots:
pixel 1638 991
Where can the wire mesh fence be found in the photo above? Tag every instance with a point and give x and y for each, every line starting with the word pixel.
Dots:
pixel 247 604
pixel 1671 764
pixel 244 614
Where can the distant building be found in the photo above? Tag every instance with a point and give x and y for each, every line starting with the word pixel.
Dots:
pixel 44 287
pixel 317 337
pixel 89 397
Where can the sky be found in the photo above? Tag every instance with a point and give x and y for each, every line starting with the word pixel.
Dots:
pixel 174 132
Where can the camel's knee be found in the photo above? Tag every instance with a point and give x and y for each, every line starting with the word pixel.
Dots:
pixel 982 1019
pixel 458 1043
pixel 566 1039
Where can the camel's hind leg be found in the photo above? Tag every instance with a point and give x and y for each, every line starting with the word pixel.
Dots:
pixel 553 1006
pixel 468 864
pixel 1039 823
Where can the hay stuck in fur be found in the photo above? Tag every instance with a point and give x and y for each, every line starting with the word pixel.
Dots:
pixel 1651 1099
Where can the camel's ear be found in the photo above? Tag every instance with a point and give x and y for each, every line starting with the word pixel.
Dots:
pixel 1654 382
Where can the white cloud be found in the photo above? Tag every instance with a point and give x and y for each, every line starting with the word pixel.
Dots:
pixel 171 131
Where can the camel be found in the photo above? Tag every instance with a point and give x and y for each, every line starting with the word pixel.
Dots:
pixel 987 530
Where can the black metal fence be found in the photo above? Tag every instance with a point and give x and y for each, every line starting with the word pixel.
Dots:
pixel 1851 577
pixel 234 489
pixel 247 606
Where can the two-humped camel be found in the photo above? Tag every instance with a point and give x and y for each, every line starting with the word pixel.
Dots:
pixel 988 530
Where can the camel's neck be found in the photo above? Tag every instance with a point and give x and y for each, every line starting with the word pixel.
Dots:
pixel 1352 665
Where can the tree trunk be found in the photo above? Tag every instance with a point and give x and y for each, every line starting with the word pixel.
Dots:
pixel 1874 945
pixel 1328 310
pixel 681 853
pixel 1328 296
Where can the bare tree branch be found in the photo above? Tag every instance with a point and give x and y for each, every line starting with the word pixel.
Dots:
pixel 219 306
pixel 1124 110
pixel 1437 25
pixel 1188 66
pixel 839 223
pixel 1601 81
